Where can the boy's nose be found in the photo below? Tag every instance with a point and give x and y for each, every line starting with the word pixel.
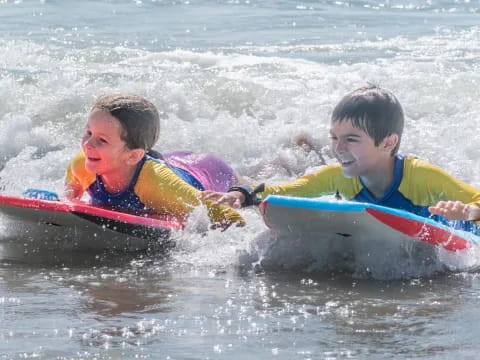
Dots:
pixel 88 143
pixel 340 146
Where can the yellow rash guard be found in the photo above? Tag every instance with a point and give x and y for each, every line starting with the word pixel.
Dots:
pixel 416 186
pixel 155 188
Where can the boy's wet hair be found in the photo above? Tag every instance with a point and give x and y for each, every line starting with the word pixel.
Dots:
pixel 139 119
pixel 373 110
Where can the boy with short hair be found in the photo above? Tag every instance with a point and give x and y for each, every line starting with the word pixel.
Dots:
pixel 366 129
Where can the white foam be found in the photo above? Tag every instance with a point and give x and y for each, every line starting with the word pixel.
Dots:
pixel 246 108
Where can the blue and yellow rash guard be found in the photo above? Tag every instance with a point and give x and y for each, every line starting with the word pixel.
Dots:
pixel 416 186
pixel 156 188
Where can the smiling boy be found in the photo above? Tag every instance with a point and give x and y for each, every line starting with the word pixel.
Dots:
pixel 366 130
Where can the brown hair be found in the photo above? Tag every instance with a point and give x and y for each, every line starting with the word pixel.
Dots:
pixel 374 110
pixel 139 119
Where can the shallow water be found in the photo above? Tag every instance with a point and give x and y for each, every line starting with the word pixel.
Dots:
pixel 159 309
pixel 240 79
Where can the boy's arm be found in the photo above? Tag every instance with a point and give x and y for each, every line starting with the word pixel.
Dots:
pixel 456 210
pixel 325 181
pixel 328 180
pixel 162 190
pixel 444 194
pixel 77 178
pixel 447 188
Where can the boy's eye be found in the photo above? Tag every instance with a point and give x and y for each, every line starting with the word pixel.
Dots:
pixel 103 140
pixel 352 140
pixel 333 137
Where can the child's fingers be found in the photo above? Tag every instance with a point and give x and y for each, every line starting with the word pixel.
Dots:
pixel 449 205
pixel 217 197
pixel 220 200
pixel 223 199
pixel 436 210
pixel 441 204
pixel 208 195
pixel 457 206
pixel 439 208
pixel 233 199
pixel 455 210
pixel 458 210
pixel 237 204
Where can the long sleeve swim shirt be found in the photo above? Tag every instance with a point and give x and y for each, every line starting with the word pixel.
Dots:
pixel 416 186
pixel 156 188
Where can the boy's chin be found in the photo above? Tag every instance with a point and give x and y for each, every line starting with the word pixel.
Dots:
pixel 349 174
pixel 91 168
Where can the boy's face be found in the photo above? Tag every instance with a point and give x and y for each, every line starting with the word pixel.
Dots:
pixel 105 151
pixel 355 150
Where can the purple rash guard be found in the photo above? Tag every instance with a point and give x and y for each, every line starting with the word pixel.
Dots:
pixel 212 172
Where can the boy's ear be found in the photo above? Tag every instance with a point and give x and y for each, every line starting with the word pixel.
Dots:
pixel 390 142
pixel 135 156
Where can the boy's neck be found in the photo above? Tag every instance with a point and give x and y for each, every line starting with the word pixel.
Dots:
pixel 119 180
pixel 379 180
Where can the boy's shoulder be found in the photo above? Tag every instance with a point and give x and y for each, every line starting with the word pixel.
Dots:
pixel 78 160
pixel 417 163
pixel 76 171
pixel 416 167
pixel 155 171
pixel 77 166
pixel 154 166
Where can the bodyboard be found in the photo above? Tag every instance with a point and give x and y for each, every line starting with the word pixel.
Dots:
pixel 40 224
pixel 352 219
pixel 350 236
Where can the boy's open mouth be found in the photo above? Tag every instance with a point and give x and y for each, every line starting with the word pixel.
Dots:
pixel 93 159
pixel 346 162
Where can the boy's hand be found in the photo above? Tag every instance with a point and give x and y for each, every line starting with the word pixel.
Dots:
pixel 455 210
pixel 234 199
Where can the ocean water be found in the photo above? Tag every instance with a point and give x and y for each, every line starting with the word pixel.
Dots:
pixel 243 80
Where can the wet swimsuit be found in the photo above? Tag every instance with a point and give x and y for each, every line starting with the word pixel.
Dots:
pixel 416 186
pixel 156 187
